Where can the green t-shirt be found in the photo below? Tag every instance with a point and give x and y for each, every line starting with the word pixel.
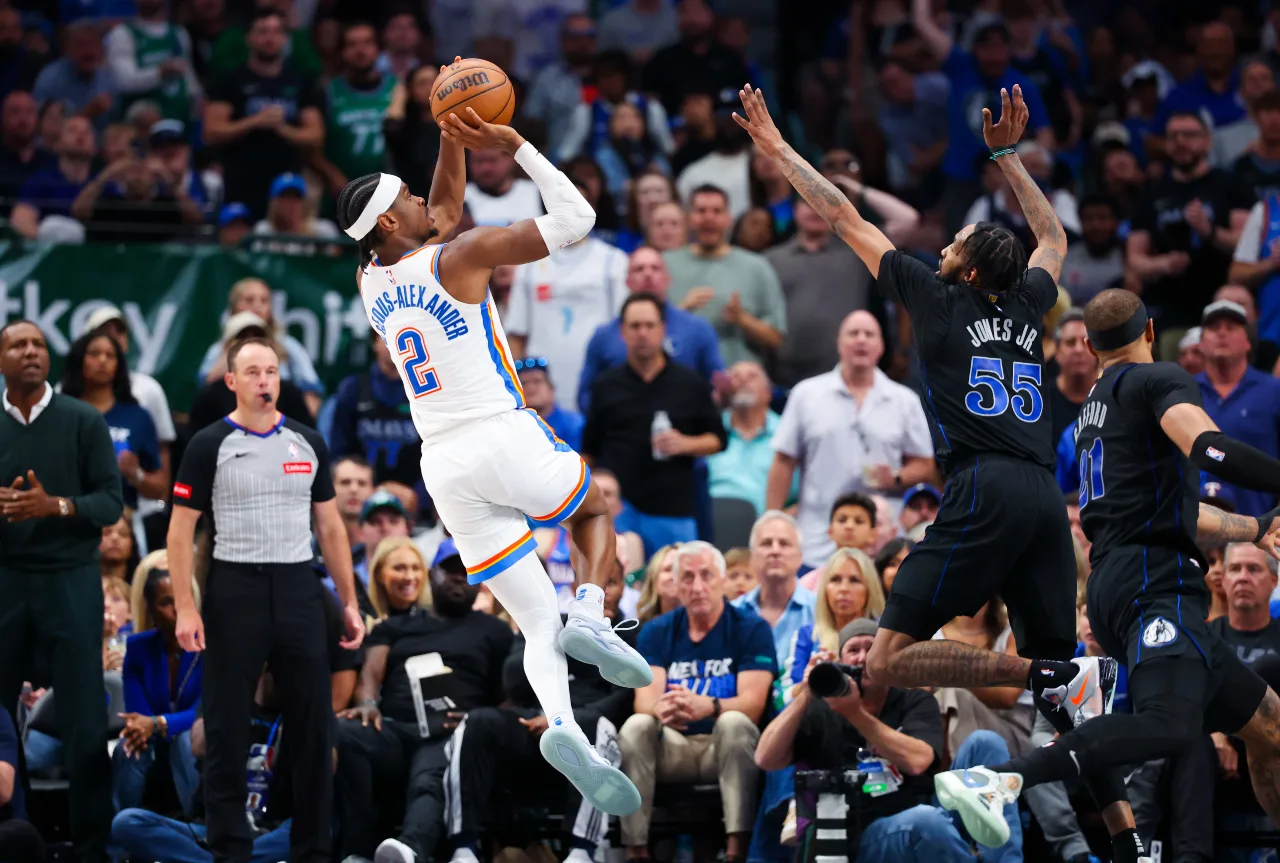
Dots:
pixel 231 50
pixel 745 273
pixel 353 138
pixel 149 51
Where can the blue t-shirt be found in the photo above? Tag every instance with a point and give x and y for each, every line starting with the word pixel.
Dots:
pixel 568 426
pixel 1250 414
pixel 970 93
pixel 50 192
pixel 1195 95
pixel 17 805
pixel 740 641
pixel 132 429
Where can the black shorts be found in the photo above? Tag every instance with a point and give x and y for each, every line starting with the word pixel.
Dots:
pixel 1150 604
pixel 1001 531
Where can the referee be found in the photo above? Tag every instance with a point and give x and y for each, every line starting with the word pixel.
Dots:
pixel 261 477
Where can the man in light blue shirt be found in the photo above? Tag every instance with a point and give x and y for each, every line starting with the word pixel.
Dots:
pixel 741 469
pixel 780 599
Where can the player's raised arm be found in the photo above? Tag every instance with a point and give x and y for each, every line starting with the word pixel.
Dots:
pixel 1002 137
pixel 448 183
pixel 863 237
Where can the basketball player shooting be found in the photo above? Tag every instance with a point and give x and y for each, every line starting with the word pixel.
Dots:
pixel 491 465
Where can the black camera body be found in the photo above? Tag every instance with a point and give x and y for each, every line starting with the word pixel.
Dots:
pixel 831 679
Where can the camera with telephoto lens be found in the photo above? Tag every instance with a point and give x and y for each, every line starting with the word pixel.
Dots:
pixel 831 679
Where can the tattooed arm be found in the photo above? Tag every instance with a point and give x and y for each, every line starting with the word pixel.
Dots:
pixel 828 201
pixel 1216 527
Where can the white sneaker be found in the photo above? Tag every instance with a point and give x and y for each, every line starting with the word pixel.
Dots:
pixel 602 785
pixel 589 638
pixel 979 796
pixel 394 851
pixel 1091 692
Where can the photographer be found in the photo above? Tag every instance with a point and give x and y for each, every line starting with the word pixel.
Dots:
pixel 831 719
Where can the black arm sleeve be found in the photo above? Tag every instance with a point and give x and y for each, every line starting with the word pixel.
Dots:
pixel 1236 462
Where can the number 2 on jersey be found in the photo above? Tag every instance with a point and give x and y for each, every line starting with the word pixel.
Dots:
pixel 414 356
pixel 1091 487
pixel 988 373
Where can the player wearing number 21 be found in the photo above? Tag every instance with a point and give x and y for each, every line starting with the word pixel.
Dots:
pixel 492 467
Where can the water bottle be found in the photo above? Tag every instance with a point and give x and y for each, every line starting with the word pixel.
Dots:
pixel 661 423
pixel 684 842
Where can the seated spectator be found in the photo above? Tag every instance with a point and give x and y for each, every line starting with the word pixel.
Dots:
pixel 1094 261
pixel 740 577
pixel 713 666
pixel 919 508
pixel 168 143
pixel 668 228
pixel 741 470
pixel 21 156
pixel 234 224
pixel 135 201
pixel 630 546
pixel 78 80
pixel 213 400
pixel 660 593
pixel 398 579
pixel 540 394
pixel 853 525
pixel 162 686
pixel 889 558
pixel 422 672
pixel 118 552
pixel 96 372
pixel 649 189
pixel 254 295
pixel 289 213
pixel 382 516
pixel 353 484
pixel 1007 710
pixel 1213 579
pixel 20 841
pixel 51 191
pixel 118 620
pixel 1266 353
pixel 848 589
pixel 783 603
pixel 901 727
pixel 497 747
pixel 913 119
pixel 49 125
pixel 754 231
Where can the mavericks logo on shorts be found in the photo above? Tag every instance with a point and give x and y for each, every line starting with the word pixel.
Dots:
pixel 297 467
pixel 1159 633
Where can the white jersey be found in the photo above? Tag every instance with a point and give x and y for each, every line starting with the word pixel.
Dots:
pixel 453 357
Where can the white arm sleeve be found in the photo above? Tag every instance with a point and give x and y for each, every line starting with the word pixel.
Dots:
pixel 569 217
pixel 1249 246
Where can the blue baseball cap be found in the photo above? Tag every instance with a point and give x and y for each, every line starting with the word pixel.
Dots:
pixel 381 500
pixel 447 549
pixel 288 183
pixel 919 489
pixel 233 212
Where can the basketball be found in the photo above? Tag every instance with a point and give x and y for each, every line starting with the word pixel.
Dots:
pixel 476 84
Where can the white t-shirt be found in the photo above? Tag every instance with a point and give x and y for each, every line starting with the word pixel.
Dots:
pixel 1249 246
pixel 731 173
pixel 522 201
pixel 557 304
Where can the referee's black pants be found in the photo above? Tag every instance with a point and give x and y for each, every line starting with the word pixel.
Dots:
pixel 272 614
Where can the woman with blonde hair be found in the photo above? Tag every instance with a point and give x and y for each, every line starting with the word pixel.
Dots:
pixel 659 593
pixel 398 578
pixel 848 589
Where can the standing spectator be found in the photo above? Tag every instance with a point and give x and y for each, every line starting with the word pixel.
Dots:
pixel 977 76
pixel 649 189
pixel 1213 88
pixel 713 666
pixel 1002 206
pixel 850 429
pixel 261 556
pixel 1078 370
pixel 540 394
pixel 1256 261
pixel 385 739
pixel 1040 61
pixel 262 116
pixel 741 470
pixel 727 167
pixel 556 92
pixel 50 585
pixel 352 484
pixel 913 120
pixel 402 44
pixel 20 841
pixel 689 340
pixel 823 282
pixel 1244 402
pixel 19 67
pixel 494 196
pixel 411 133
pixel 655 468
pixel 639 27
pixel 354 107
pixel 523 36
pixel 779 598
pixel 1258 167
pixel 150 60
pixel 205 22
pixel 96 373
pixel 371 419
pixel 1095 261
pixel 235 44
pixel 697 63
pixel 699 132
pixel 1185 229
pixel 558 302
pixel 590 124
pixel 734 290
pixel 51 191
pixel 20 154
pixel 1234 140
pixel 78 80
pixel 213 400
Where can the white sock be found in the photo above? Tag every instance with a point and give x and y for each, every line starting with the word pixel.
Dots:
pixel 464 855
pixel 526 592
pixel 578 855
pixel 591 598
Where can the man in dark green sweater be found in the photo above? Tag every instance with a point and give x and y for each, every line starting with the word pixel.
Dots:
pixel 59 486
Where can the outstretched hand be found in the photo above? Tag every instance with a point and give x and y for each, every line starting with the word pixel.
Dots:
pixel 475 134
pixel 1013 120
pixel 758 123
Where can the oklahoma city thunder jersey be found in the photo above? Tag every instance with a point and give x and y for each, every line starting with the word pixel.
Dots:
pixel 453 357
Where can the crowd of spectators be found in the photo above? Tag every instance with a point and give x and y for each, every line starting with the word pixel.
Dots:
pixel 747 400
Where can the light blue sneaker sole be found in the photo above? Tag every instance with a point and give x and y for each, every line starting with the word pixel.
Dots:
pixel 987 828
pixel 603 786
pixel 628 670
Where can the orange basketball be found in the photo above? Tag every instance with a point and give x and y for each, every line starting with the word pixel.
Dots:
pixel 476 84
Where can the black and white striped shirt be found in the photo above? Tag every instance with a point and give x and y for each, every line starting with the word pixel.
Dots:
pixel 257 488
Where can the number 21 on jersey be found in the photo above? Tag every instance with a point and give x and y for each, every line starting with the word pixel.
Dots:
pixel 1091 487
pixel 412 348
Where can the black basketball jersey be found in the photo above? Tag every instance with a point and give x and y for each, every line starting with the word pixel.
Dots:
pixel 981 361
pixel 1136 486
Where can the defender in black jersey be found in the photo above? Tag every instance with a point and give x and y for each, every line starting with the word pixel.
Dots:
pixel 1142 439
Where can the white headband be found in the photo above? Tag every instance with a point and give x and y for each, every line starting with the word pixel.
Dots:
pixel 381 200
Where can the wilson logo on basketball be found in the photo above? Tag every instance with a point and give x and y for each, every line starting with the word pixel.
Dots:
pixel 475 79
pixel 297 467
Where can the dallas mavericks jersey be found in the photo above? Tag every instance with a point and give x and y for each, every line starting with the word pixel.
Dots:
pixel 452 357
